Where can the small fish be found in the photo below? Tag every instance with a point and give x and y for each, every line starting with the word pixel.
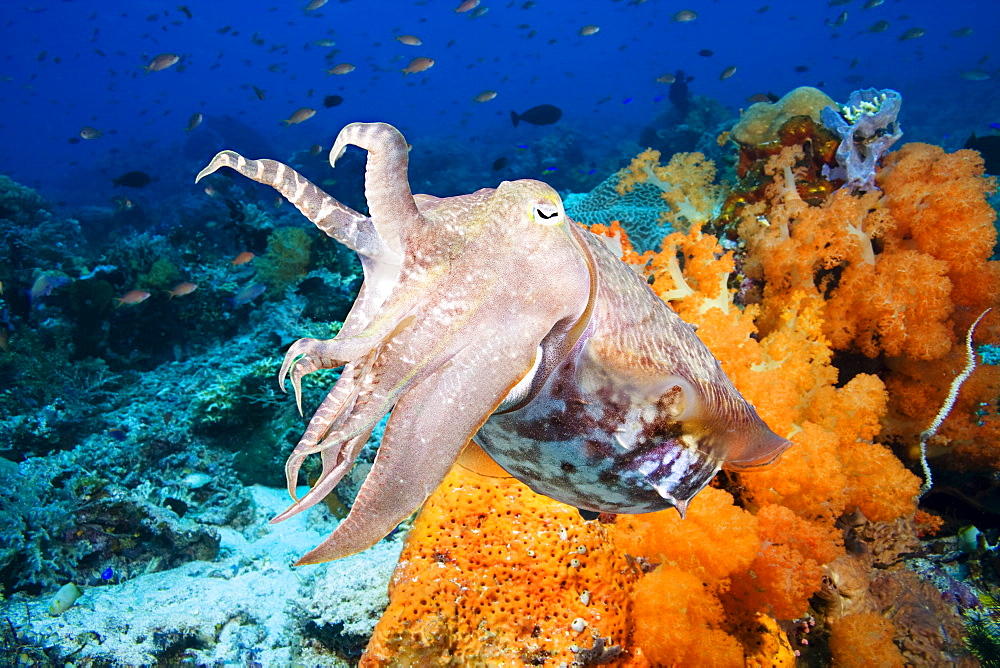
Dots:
pixel 325 42
pixel 467 5
pixel 418 65
pixel 133 297
pixel 332 101
pixel 162 62
pixel 839 21
pixel 485 96
pixel 182 289
pixel 879 26
pixel 109 572
pixel 45 284
pixel 961 32
pixel 976 75
pixel 242 258
pixel 499 164
pixel 409 40
pixel 543 114
pixel 183 8
pixel 478 11
pixel 684 16
pixel 912 33
pixel 303 114
pixel 194 122
pixel 706 53
pixel 872 3
pixel 88 132
pixel 667 78
pixel 118 434
pixel 801 68
pixel 135 179
pixel 589 30
pixel 211 192
pixel 342 68
pixel 315 4
pixel 248 294
pixel 122 203
pixel 728 72
pixel 315 149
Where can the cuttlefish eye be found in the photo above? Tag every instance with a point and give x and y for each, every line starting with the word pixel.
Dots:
pixel 546 213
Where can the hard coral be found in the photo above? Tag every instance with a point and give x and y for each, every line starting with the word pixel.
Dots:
pixel 761 122
pixel 494 574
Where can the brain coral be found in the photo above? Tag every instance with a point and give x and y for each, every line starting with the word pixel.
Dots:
pixel 494 574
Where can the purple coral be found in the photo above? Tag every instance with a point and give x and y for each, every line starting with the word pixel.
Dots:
pixel 867 127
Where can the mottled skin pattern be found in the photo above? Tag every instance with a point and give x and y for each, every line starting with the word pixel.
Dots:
pixel 494 313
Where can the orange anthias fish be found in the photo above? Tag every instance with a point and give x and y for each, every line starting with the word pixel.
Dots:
pixel 182 289
pixel 242 258
pixel 132 297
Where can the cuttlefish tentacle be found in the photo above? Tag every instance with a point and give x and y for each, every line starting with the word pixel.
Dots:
pixel 332 411
pixel 426 432
pixel 335 219
pixel 387 188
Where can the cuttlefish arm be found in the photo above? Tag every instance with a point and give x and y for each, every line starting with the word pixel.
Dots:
pixel 468 299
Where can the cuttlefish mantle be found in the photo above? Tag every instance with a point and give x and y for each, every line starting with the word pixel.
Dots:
pixel 494 316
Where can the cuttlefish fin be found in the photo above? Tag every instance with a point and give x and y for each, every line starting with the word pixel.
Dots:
pixel 474 458
pixel 429 426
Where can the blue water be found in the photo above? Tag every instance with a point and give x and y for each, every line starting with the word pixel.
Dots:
pixel 72 64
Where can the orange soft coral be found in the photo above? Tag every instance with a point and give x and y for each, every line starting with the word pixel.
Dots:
pixel 494 574
pixel 686 182
pixel 677 622
pixel 788 568
pixel 864 639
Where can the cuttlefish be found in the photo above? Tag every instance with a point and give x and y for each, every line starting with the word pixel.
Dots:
pixel 492 317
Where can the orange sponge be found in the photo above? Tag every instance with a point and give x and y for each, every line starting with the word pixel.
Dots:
pixel 494 574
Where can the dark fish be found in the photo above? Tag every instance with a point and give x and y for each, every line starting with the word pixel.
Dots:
pixel 839 21
pixel 989 148
pixel 134 179
pixel 183 8
pixel 912 33
pixel 499 164
pixel 258 92
pixel 879 26
pixel 801 68
pixel 706 53
pixel 543 114
pixel 332 101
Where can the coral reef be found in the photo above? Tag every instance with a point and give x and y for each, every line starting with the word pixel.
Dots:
pixel 839 315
